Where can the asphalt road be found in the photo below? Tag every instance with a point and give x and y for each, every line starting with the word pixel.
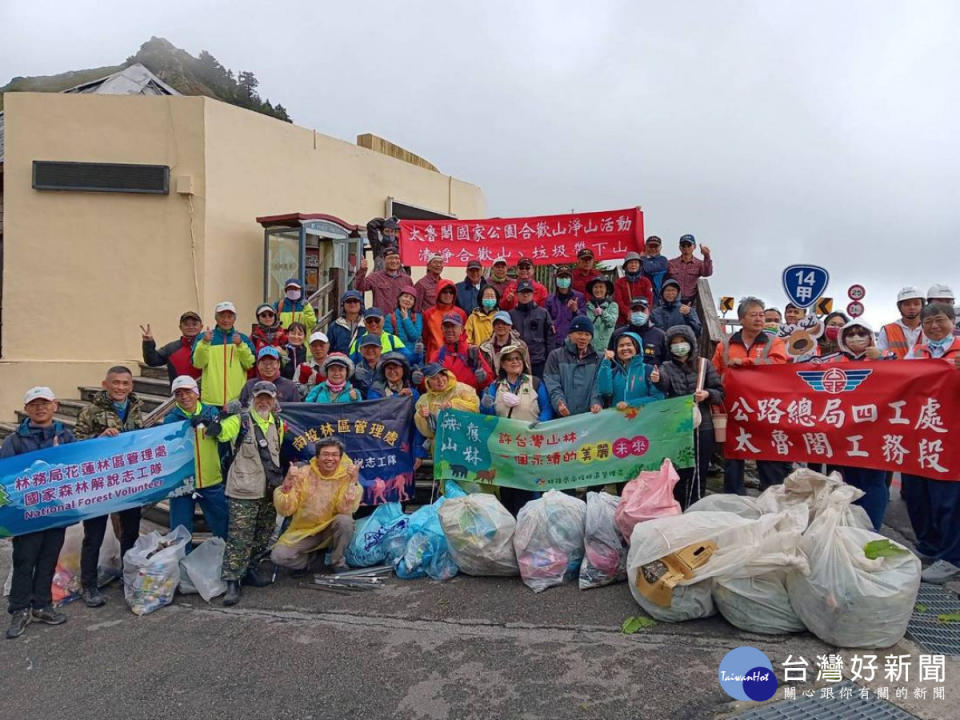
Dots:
pixel 467 648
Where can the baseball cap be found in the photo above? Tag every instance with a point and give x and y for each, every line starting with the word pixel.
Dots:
pixel 581 324
pixel 351 295
pixel 264 387
pixel 435 256
pixel 318 337
pixel 225 306
pixel 41 392
pixel 190 315
pixel 585 253
pixel 474 265
pixel 431 369
pixel 500 261
pixel 391 250
pixel 373 312
pixel 524 261
pixel 368 340
pixel 265 307
pixel 639 300
pixel 408 290
pixel 685 239
pixel 184 382
pixel 338 359
pixel 452 317
pixel 503 316
pixel 292 282
pixel 268 351
pixel 564 272
pixel 524 286
pixel 654 240
pixel 394 358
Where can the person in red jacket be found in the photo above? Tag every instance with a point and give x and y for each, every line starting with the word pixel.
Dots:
pixel 508 300
pixel 585 271
pixel 459 357
pixel 433 318
pixel 175 355
pixel 633 284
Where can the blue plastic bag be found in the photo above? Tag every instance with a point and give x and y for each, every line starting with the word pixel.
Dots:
pixel 424 550
pixel 373 535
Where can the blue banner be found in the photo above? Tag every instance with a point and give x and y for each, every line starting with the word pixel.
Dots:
pixel 376 433
pixel 66 484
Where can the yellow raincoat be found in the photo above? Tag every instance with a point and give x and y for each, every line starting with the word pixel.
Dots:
pixel 458 394
pixel 314 500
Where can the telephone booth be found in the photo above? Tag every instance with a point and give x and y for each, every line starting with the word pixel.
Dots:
pixel 322 250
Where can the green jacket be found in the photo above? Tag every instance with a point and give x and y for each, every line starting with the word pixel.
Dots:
pixel 101 415
pixel 224 366
pixel 206 456
pixel 246 479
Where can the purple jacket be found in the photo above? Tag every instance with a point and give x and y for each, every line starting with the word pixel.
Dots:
pixel 561 315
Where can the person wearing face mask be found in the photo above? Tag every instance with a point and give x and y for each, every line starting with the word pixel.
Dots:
pixel 564 305
pixel 602 310
pixel 294 308
pixel 624 379
pixel 479 325
pixel 509 299
pixel 827 343
pixel 469 289
pixel 631 286
pixel 672 311
pixel 680 375
pixel 654 340
pixel 386 284
pixel 498 277
pixel 933 504
pixel 901 335
pixel 534 326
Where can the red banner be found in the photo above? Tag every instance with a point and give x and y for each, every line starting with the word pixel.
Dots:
pixel 888 415
pixel 546 240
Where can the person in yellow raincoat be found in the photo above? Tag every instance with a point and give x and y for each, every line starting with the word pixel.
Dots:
pixel 322 498
pixel 443 391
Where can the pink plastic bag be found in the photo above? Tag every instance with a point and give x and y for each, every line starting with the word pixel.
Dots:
pixel 647 496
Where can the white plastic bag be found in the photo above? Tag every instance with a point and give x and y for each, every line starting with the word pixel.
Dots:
pixel 479 532
pixel 201 569
pixel 549 539
pixel 604 553
pixel 757 604
pixel 848 599
pixel 151 569
pixel 742 505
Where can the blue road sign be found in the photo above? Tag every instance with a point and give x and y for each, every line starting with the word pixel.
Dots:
pixel 803 284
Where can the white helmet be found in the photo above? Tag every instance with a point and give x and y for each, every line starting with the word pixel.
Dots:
pixel 940 291
pixel 909 293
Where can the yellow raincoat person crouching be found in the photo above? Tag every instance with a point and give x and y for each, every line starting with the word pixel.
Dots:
pixel 322 504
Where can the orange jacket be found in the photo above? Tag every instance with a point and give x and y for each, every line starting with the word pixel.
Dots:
pixel 433 321
pixel 766 350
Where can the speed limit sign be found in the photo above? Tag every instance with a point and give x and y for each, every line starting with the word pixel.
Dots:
pixel 857 293
pixel 855 309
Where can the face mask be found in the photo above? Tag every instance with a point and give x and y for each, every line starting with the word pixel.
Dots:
pixel 292 294
pixel 489 303
pixel 832 333
pixel 563 283
pixel 858 343
pixel 680 349
pixel 638 318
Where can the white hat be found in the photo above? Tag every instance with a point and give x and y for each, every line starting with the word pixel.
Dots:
pixel 184 382
pixel 939 290
pixel 224 306
pixel 909 293
pixel 318 337
pixel 37 393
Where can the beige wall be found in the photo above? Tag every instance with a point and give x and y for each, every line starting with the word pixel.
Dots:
pixel 82 270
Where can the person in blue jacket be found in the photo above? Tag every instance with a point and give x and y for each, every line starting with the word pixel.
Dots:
pixel 337 387
pixel 654 265
pixel 673 311
pixel 394 377
pixel 624 379
pixel 404 322
pixel 344 330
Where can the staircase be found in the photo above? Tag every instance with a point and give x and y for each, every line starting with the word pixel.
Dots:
pixel 151 386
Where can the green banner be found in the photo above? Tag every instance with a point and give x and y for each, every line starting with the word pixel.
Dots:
pixel 577 451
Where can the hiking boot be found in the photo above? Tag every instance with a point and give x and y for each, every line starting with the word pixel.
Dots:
pixel 93 598
pixel 940 572
pixel 49 616
pixel 232 596
pixel 253 579
pixel 18 623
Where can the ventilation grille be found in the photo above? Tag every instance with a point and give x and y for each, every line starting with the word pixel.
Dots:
pixel 101 177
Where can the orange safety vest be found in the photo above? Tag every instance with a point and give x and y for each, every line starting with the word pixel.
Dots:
pixel 922 352
pixel 897 341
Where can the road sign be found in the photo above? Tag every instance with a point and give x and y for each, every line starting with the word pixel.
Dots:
pixel 855 309
pixel 857 292
pixel 824 306
pixel 803 284
pixel 726 304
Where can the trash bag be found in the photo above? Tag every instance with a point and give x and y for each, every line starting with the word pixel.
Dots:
pixel 757 604
pixel 549 539
pixel 604 552
pixel 647 496
pixel 742 505
pixel 373 534
pixel 151 569
pixel 848 599
pixel 479 533
pixel 422 550
pixel 109 562
pixel 201 569
pixel 672 560
pixel 813 489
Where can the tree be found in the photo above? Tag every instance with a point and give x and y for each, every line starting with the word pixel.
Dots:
pixel 248 83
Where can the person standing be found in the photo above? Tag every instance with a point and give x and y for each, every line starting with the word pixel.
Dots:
pixel 344 330
pixel 469 289
pixel 631 286
pixel 268 368
pixel 624 379
pixel 464 360
pixel 654 265
pixel 175 355
pixel 673 311
pixel 428 287
pixel 901 335
pixel 498 278
pixel 311 371
pixel 503 335
pixel 793 314
pixel 532 323
pixel 564 305
pixel 433 318
pixel 224 355
pixel 479 325
pixel 687 269
pixel 293 307
pixel 336 388
pixel 827 342
pixel 570 373
pixel 35 554
pixel 602 310
pixel 585 271
pixel 654 339
pixel 383 235
pixel 386 284
pixel 509 299
pixel 404 322
pixel 114 410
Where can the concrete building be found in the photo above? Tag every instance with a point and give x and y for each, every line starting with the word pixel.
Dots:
pixel 81 269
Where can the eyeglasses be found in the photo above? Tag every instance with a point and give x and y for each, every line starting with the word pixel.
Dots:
pixel 857 332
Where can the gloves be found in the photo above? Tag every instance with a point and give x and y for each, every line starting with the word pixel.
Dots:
pixel 213 429
pixel 487 401
pixel 197 420
pixel 481 376
pixel 598 311
pixel 510 399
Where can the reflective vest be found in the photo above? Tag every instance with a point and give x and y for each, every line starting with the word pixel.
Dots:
pixel 922 352
pixel 897 340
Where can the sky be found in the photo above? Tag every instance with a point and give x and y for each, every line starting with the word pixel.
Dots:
pixel 775 132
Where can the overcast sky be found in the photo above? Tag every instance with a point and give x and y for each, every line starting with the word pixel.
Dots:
pixel 776 132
